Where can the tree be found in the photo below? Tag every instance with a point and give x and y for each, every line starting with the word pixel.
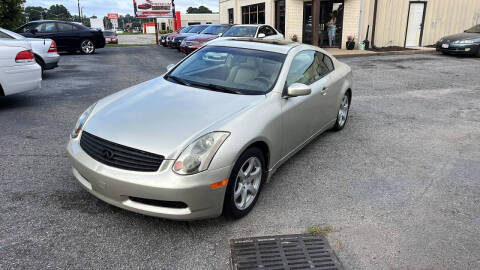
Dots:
pixel 58 12
pixel 200 9
pixel 11 13
pixel 34 13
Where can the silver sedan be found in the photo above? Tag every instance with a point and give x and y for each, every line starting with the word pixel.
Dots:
pixel 204 138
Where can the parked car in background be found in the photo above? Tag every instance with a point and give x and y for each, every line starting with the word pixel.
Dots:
pixel 190 44
pixel 18 70
pixel 195 30
pixel 119 31
pixel 163 38
pixel 44 50
pixel 254 31
pixel 110 37
pixel 196 153
pixel 467 42
pixel 171 36
pixel 68 36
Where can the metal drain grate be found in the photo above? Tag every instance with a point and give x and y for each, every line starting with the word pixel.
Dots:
pixel 297 251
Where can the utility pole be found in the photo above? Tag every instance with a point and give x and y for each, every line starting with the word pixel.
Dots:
pixel 79 12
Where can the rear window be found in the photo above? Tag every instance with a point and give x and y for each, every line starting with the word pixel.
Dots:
pixel 241 31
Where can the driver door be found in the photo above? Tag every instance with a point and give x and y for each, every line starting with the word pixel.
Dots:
pixel 300 115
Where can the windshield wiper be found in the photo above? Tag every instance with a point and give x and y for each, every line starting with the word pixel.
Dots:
pixel 179 80
pixel 218 88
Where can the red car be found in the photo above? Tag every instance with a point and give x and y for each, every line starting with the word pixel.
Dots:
pixel 144 6
pixel 212 32
pixel 110 37
pixel 176 33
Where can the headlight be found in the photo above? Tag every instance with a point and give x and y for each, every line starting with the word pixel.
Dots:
pixel 465 41
pixel 81 121
pixel 198 155
pixel 194 43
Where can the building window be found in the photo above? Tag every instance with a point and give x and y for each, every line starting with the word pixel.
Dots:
pixel 253 14
pixel 230 16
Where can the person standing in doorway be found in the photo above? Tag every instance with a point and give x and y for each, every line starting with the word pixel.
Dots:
pixel 332 29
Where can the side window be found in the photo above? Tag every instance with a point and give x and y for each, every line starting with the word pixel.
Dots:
pixel 322 68
pixel 269 31
pixel 47 28
pixel 328 62
pixel 262 31
pixel 303 69
pixel 64 27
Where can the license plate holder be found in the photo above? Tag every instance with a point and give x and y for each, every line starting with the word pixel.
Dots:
pixel 445 46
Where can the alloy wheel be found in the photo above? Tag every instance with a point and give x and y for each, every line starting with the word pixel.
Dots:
pixel 247 183
pixel 87 46
pixel 343 111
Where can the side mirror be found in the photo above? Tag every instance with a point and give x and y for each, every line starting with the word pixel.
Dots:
pixel 261 35
pixel 298 89
pixel 169 67
pixel 33 31
pixel 221 34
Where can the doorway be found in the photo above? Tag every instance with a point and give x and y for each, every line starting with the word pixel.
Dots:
pixel 415 21
pixel 280 16
pixel 317 16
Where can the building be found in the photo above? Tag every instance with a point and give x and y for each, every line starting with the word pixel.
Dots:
pixel 401 23
pixel 189 19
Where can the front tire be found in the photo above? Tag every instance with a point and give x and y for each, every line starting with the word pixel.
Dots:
pixel 87 46
pixel 342 114
pixel 245 183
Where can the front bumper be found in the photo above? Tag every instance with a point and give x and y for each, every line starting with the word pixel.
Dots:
pixel 118 187
pixel 458 48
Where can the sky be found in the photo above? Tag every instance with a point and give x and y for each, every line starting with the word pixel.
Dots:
pixel 102 7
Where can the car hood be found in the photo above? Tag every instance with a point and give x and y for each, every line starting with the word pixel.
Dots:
pixel 462 36
pixel 163 117
pixel 202 37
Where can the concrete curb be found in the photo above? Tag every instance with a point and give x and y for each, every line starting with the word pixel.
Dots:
pixel 408 52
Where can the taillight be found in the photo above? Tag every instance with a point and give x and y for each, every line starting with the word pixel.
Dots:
pixel 53 47
pixel 24 57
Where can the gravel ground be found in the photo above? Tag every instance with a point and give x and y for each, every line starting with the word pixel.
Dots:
pixel 399 185
pixel 137 39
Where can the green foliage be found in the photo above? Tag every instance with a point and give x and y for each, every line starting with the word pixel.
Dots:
pixel 200 9
pixel 11 13
pixel 34 13
pixel 320 230
pixel 58 12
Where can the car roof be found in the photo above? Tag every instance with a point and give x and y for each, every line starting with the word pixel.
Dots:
pixel 277 46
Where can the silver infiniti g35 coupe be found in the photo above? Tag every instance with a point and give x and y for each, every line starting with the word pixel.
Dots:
pixel 202 139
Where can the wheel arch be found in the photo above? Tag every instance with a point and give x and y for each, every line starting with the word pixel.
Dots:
pixel 42 63
pixel 2 94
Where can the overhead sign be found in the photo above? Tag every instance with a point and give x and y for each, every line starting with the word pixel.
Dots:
pixel 112 16
pixel 153 8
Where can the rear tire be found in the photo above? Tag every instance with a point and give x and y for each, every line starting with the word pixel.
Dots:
pixel 87 46
pixel 342 115
pixel 245 184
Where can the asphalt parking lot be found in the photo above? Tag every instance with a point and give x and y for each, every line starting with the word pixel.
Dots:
pixel 400 185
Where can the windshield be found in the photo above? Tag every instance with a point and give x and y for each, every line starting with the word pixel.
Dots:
pixel 186 29
pixel 27 28
pixel 11 34
pixel 215 29
pixel 243 71
pixel 475 29
pixel 241 31
pixel 197 29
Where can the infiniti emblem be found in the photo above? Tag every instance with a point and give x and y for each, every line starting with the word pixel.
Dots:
pixel 107 154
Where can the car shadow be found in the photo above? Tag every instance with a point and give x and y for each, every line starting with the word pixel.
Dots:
pixel 15 101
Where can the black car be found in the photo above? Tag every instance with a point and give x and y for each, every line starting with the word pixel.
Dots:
pixel 467 42
pixel 68 36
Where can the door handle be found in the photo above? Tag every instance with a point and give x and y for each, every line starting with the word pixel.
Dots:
pixel 324 91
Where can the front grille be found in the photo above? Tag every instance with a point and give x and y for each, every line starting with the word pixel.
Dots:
pixel 119 156
pixel 169 204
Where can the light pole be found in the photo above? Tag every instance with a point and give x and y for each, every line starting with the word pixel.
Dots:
pixel 79 12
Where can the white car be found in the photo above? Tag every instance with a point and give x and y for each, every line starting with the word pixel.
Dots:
pixel 262 31
pixel 18 70
pixel 44 50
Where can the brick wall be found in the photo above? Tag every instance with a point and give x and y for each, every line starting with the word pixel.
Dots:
pixel 293 19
